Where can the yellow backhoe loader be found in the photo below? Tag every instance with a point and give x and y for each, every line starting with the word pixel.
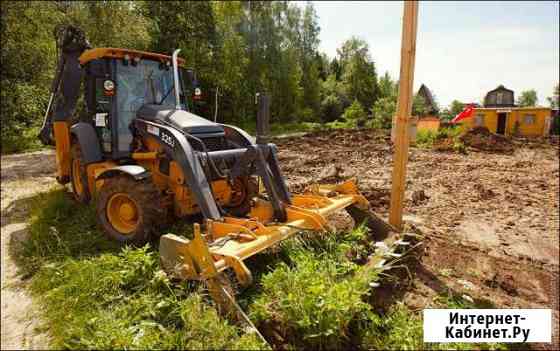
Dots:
pixel 143 157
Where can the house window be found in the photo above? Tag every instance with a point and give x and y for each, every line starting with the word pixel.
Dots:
pixel 499 98
pixel 529 119
pixel 479 120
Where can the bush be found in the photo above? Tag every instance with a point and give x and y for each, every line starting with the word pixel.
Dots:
pixel 331 108
pixel 21 139
pixel 354 113
pixel 316 295
pixel 425 138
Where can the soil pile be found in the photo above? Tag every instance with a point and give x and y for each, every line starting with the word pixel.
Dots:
pixel 481 138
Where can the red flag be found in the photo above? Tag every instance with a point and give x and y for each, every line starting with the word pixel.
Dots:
pixel 466 113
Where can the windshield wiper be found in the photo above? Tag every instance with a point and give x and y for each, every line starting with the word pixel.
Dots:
pixel 152 88
pixel 166 94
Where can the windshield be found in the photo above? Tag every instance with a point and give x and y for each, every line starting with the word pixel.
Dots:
pixel 146 83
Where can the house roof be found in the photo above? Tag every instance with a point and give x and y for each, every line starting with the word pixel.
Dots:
pixel 500 87
pixel 428 97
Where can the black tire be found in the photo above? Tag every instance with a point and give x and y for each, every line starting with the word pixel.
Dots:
pixel 149 209
pixel 78 176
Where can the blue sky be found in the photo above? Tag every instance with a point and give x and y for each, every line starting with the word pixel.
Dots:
pixel 463 49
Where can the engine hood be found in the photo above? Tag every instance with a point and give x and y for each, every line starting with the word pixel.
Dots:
pixel 184 120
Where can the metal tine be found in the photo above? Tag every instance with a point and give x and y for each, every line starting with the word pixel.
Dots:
pixel 380 264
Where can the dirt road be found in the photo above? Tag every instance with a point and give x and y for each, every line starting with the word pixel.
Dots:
pixel 491 219
pixel 23 176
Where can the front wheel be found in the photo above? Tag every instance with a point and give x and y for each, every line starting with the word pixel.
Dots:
pixel 129 211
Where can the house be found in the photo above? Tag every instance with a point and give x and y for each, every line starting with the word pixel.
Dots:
pixel 431 120
pixel 501 116
pixel 428 123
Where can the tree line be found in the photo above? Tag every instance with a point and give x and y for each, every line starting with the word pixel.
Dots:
pixel 238 48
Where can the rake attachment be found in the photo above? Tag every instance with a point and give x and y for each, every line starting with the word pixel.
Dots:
pixel 228 243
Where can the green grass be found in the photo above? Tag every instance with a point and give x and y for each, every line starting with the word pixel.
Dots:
pixel 313 291
pixel 96 295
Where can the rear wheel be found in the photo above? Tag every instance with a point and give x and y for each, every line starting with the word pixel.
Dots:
pixel 129 211
pixel 78 176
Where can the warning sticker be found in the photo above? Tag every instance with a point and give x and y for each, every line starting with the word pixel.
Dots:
pixel 101 119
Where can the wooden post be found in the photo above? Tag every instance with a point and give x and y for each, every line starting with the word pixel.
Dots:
pixel 404 108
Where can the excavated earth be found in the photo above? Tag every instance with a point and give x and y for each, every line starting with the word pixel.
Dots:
pixel 490 218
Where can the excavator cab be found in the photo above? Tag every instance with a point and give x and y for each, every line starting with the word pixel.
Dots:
pixel 119 83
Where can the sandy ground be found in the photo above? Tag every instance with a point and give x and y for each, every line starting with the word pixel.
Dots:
pixel 491 220
pixel 23 176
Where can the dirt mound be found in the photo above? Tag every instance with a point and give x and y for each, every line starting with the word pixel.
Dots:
pixel 445 144
pixel 481 138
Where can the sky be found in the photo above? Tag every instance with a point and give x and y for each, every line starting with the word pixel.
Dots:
pixel 463 49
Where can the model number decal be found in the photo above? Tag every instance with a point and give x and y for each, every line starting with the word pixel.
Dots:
pixel 152 130
pixel 168 139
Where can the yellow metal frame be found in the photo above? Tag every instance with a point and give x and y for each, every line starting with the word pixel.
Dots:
pixel 119 53
pixel 226 244
pixel 62 137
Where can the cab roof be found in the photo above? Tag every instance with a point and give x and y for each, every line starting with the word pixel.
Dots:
pixel 97 53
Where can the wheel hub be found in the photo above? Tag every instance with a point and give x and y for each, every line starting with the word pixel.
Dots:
pixel 122 213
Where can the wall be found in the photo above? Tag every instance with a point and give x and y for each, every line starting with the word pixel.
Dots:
pixel 428 123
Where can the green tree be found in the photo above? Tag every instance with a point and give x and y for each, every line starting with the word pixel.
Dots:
pixel 28 60
pixel 190 26
pixel 310 81
pixel 445 115
pixel 109 23
pixel 419 107
pixel 355 114
pixel 456 107
pixel 335 68
pixel 386 86
pixel 334 99
pixel 527 98
pixel 232 61
pixel 383 111
pixel 358 71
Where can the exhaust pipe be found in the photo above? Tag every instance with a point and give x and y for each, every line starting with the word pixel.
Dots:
pixel 176 79
pixel 263 118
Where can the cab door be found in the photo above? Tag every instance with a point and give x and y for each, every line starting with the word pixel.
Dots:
pixel 100 92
